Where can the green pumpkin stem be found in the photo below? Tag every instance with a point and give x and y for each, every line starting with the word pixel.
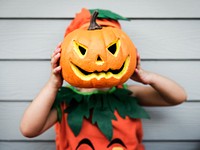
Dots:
pixel 93 24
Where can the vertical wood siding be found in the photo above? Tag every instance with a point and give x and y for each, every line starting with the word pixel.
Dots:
pixel 167 34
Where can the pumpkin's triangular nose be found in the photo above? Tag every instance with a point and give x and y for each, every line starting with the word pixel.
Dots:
pixel 99 60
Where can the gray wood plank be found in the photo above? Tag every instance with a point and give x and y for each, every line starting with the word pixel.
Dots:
pixel 155 39
pixel 26 39
pixel 51 145
pixel 137 9
pixel 166 123
pixel 27 145
pixel 10 117
pixel 172 145
pixel 22 80
pixel 178 122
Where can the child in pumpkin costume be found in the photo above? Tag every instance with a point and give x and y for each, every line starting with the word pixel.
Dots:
pixel 97 118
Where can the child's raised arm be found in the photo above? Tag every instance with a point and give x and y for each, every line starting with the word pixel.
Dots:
pixel 161 90
pixel 39 116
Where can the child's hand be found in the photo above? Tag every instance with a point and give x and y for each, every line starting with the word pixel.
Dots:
pixel 56 77
pixel 139 74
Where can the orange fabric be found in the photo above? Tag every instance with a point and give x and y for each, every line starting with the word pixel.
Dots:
pixel 129 131
pixel 80 19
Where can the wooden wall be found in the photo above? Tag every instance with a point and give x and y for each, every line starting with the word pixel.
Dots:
pixel 166 33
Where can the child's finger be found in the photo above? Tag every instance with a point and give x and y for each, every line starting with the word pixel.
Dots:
pixel 57 57
pixel 56 51
pixel 54 60
pixel 59 45
pixel 138 61
pixel 57 70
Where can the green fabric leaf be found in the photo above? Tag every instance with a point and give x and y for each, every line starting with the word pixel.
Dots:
pixel 106 127
pixel 120 107
pixel 102 118
pixel 59 113
pixel 75 122
pixel 71 106
pixel 137 111
pixel 75 117
pixel 107 14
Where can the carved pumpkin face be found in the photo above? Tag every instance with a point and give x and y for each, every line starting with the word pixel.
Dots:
pixel 97 58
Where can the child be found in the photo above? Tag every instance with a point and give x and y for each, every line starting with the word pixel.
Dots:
pixel 39 116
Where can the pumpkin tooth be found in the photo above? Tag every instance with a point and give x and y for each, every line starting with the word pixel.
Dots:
pixel 116 73
pixel 83 71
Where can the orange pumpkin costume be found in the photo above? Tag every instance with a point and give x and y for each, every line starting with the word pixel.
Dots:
pixel 100 120
pixel 127 134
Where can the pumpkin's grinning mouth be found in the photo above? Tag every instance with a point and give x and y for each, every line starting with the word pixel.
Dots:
pixel 116 71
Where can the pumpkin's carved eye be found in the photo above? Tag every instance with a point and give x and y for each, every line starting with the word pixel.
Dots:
pixel 114 47
pixel 79 49
pixel 82 50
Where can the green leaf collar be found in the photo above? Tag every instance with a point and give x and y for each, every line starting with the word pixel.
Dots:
pixel 99 105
